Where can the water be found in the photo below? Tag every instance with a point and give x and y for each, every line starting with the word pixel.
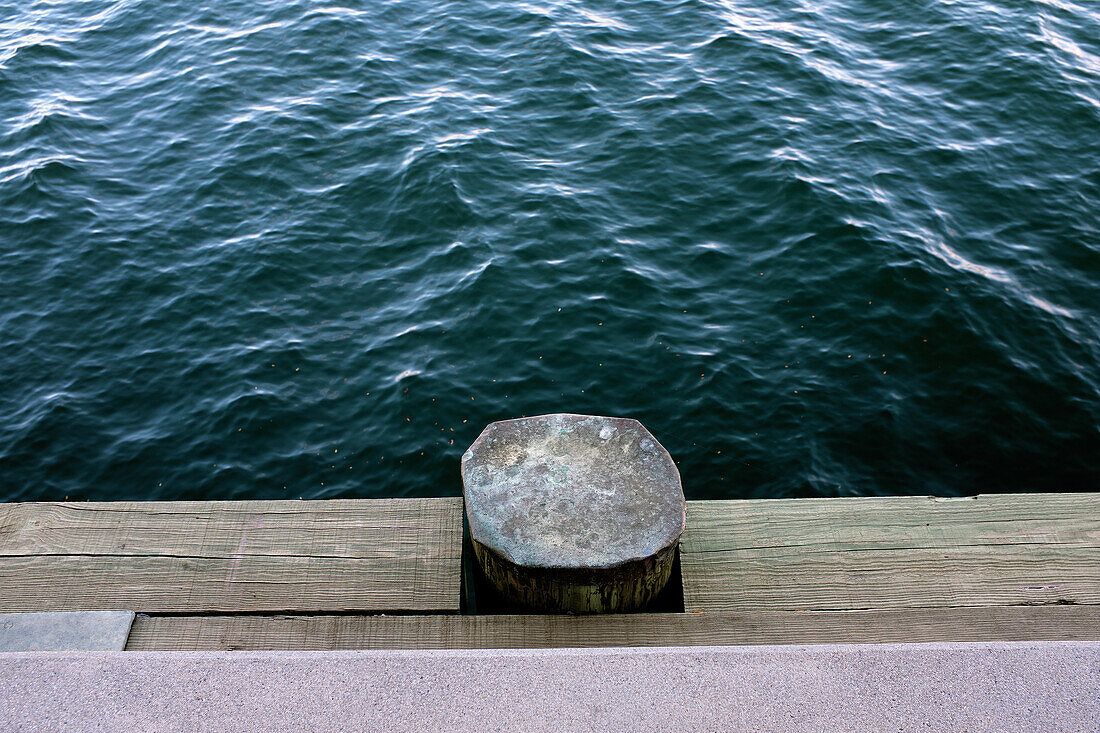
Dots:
pixel 281 248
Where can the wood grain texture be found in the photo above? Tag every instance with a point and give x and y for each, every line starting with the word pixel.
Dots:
pixel 254 556
pixel 1047 623
pixel 896 552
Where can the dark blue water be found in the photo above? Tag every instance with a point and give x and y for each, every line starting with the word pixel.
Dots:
pixel 281 248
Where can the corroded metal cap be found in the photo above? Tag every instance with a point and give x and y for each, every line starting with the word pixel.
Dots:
pixel 573 512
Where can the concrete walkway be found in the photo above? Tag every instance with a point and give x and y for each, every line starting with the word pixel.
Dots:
pixel 1042 686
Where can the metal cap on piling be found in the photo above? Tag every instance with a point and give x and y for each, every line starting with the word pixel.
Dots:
pixel 573 513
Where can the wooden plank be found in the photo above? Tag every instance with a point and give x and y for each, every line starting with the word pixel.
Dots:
pixel 333 528
pixel 201 557
pixel 1047 623
pixel 896 552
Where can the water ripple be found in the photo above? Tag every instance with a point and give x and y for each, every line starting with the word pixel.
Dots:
pixel 296 248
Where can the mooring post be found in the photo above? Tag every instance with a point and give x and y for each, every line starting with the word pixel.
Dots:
pixel 573 513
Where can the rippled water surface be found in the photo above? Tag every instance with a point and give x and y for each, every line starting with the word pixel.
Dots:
pixel 287 248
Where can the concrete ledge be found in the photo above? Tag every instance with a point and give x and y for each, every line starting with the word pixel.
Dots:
pixel 65 631
pixel 1049 686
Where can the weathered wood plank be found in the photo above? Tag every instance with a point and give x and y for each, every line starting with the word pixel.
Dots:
pixel 332 528
pixel 1047 623
pixel 403 554
pixel 200 557
pixel 897 552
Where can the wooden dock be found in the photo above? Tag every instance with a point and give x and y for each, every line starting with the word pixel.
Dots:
pixel 386 573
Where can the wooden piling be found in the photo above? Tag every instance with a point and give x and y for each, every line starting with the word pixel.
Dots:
pixel 573 513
